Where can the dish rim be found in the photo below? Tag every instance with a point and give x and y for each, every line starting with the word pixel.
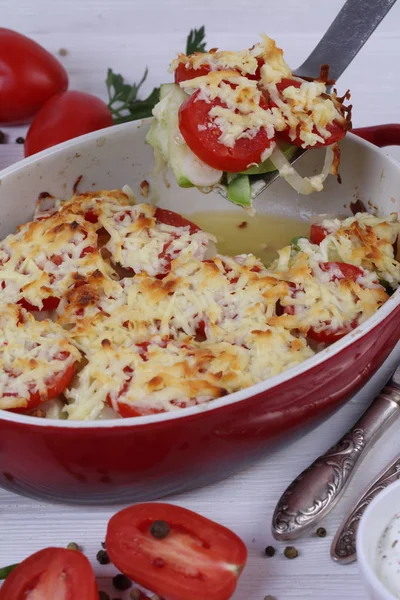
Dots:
pixel 230 399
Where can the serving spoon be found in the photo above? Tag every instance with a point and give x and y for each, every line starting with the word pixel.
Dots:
pixel 352 27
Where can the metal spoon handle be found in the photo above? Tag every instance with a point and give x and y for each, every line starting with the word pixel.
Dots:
pixel 314 493
pixel 343 549
pixel 348 33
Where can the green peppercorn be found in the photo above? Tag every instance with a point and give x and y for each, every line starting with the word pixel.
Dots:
pixel 269 598
pixel 103 557
pixel 135 594
pixel 290 552
pixel 321 532
pixel 160 530
pixel 121 582
pixel 270 551
pixel 73 546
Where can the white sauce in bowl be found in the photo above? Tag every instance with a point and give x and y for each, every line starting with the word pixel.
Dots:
pixel 388 559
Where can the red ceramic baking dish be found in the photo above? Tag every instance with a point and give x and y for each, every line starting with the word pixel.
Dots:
pixel 147 457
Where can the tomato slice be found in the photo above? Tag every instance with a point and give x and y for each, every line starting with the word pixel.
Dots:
pixel 169 217
pixel 342 270
pixel 326 334
pixel 55 386
pixel 50 574
pixel 198 559
pixel 202 136
pixel 317 233
pixel 182 73
pixel 49 303
pixel 336 129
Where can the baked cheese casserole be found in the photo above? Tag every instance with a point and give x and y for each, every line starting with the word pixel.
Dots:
pixel 114 309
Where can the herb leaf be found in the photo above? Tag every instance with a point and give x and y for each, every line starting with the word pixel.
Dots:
pixel 123 101
pixel 295 244
pixel 388 288
pixel 5 571
pixel 196 41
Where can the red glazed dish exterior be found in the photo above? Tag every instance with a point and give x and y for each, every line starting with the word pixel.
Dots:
pixel 140 462
pixel 148 457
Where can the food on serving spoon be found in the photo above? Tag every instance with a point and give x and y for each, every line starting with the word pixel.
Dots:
pixel 148 318
pixel 232 116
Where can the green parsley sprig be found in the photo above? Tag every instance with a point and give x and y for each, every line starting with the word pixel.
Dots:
pixel 123 100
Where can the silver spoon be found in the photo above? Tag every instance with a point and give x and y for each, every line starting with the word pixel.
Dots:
pixel 348 33
pixel 316 491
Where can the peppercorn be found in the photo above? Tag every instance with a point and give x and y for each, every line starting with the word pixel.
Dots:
pixel 20 140
pixel 270 551
pixel 160 530
pixel 121 582
pixel 103 557
pixel 63 52
pixel 321 532
pixel 269 598
pixel 290 552
pixel 135 594
pixel 2 137
pixel 73 546
pixel 103 596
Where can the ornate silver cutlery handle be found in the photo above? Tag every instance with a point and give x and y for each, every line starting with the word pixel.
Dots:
pixel 314 493
pixel 343 549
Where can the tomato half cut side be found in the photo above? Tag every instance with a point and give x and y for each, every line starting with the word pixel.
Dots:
pixel 318 233
pixel 201 134
pixel 49 574
pixel 195 560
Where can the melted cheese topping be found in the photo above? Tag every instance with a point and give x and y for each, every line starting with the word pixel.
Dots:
pixel 168 329
pixel 307 110
pixel 33 355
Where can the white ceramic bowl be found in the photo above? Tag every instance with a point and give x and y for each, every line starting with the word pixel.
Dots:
pixel 372 525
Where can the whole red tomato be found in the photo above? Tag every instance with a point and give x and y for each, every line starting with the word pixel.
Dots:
pixel 29 76
pixel 66 116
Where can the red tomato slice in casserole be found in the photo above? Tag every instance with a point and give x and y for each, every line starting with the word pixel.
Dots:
pixel 198 559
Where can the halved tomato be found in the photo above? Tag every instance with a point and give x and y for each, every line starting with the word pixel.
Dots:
pixel 202 134
pixel 337 130
pixel 50 574
pixel 183 557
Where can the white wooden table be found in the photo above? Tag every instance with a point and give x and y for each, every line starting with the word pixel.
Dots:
pixel 127 35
